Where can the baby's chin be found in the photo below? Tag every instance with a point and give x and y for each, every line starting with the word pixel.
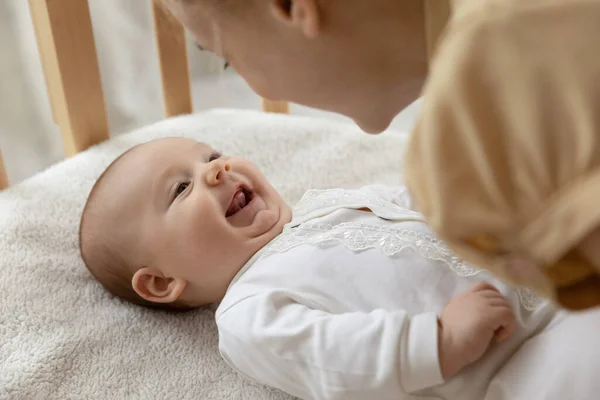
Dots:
pixel 267 218
pixel 267 223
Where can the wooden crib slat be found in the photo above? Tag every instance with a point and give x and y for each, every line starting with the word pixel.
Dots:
pixel 279 107
pixel 66 46
pixel 173 61
pixel 52 85
pixel 3 176
pixel 437 13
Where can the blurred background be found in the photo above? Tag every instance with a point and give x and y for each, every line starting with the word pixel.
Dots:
pixel 29 140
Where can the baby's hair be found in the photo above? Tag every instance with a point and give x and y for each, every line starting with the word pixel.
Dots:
pixel 107 258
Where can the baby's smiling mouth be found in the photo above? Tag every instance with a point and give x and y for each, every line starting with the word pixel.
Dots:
pixel 240 200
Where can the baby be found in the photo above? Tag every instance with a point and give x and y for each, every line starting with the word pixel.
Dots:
pixel 348 297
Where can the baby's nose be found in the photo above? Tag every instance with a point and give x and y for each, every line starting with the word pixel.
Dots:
pixel 217 169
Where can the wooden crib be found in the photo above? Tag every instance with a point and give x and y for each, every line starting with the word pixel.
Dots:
pixel 68 54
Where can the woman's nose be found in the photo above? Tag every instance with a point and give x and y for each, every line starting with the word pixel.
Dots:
pixel 216 172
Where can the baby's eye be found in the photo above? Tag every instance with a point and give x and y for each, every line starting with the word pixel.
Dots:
pixel 214 156
pixel 181 188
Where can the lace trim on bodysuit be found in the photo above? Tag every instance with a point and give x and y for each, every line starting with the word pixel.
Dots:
pixel 389 240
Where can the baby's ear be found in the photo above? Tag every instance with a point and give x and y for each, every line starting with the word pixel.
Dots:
pixel 302 14
pixel 153 286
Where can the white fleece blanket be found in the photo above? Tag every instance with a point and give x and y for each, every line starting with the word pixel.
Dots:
pixel 63 337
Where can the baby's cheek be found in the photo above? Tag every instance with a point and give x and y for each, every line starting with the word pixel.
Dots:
pixel 270 217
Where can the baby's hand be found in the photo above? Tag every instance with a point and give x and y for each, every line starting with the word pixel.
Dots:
pixel 469 323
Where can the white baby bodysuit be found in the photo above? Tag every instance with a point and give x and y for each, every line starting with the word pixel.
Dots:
pixel 344 304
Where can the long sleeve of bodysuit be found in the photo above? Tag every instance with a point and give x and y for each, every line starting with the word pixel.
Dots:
pixel 312 354
pixel 504 160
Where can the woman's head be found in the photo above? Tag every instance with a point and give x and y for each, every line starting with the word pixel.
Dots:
pixel 363 59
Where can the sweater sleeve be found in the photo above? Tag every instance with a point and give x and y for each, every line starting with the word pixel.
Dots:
pixel 504 160
pixel 312 354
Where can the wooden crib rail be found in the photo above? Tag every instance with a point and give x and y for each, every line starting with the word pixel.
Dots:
pixel 68 53
pixel 173 62
pixel 280 107
pixel 3 175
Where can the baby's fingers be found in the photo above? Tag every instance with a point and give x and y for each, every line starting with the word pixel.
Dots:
pixel 493 295
pixel 498 302
pixel 503 333
pixel 506 323
pixel 484 286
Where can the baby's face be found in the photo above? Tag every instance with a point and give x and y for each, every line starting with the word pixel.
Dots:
pixel 197 217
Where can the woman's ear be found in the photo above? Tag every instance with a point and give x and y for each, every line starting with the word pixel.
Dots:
pixel 152 285
pixel 303 14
